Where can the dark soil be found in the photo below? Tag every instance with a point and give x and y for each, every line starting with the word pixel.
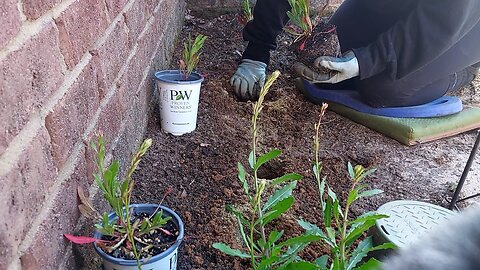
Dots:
pixel 159 239
pixel 202 166
pixel 322 42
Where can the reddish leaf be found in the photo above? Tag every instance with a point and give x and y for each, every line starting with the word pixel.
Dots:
pixel 82 239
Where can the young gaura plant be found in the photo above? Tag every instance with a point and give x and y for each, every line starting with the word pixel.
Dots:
pixel 117 193
pixel 264 246
pixel 339 232
pixel 191 54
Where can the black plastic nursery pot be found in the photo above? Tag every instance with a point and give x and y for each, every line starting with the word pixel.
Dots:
pixel 166 260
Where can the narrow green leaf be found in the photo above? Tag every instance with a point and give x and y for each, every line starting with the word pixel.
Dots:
pixel 365 174
pixel 301 266
pixel 360 229
pixel 279 195
pixel 383 246
pixel 368 216
pixel 351 172
pixel 331 233
pixel 369 193
pixel 286 177
pixel 274 236
pixel 251 159
pixel 266 158
pixel 241 177
pixel 314 229
pixel 302 239
pixel 277 210
pixel 359 252
pixel 352 196
pixel 371 264
pixel 327 213
pixel 322 262
pixel 265 263
pixel 230 251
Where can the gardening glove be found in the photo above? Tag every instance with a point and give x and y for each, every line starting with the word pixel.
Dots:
pixel 341 68
pixel 249 79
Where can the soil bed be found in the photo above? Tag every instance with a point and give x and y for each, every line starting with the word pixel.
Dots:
pixel 322 42
pixel 202 166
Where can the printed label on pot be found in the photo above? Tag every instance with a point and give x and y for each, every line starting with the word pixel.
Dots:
pixel 178 107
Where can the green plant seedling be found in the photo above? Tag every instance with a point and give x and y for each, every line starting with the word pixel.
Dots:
pixel 338 231
pixel 191 54
pixel 264 246
pixel 247 14
pixel 118 194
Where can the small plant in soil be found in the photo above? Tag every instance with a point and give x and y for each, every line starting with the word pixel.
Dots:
pixel 191 54
pixel 265 246
pixel 338 231
pixel 247 14
pixel 130 235
pixel 312 37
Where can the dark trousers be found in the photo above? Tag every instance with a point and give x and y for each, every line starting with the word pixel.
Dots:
pixel 358 26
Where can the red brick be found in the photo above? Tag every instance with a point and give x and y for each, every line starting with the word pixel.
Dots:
pixel 9 20
pixel 137 16
pixel 24 190
pixel 111 117
pixel 29 76
pixel 36 8
pixel 79 27
pixel 114 52
pixel 115 6
pixel 69 119
pixel 49 247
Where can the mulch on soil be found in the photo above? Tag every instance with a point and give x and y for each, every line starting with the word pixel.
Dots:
pixel 202 166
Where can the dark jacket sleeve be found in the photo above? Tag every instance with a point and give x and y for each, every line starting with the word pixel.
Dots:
pixel 428 31
pixel 261 33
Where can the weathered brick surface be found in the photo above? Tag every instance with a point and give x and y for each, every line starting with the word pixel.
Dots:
pixel 115 6
pixel 79 26
pixel 68 120
pixel 36 8
pixel 28 77
pixel 24 190
pixel 9 20
pixel 136 17
pixel 49 246
pixel 113 53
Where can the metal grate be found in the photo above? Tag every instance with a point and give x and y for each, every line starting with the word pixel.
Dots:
pixel 408 220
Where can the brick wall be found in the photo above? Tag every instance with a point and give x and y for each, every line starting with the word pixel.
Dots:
pixel 69 69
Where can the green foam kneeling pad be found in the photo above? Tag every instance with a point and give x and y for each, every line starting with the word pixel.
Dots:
pixel 411 131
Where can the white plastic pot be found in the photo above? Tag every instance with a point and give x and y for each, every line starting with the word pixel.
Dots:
pixel 166 260
pixel 178 100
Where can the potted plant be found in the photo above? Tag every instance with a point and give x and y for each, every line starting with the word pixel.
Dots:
pixel 179 90
pixel 131 235
pixel 312 35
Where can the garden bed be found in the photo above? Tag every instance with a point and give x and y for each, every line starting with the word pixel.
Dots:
pixel 202 166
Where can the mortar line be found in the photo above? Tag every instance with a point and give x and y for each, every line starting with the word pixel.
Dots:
pixel 29 29
pixel 16 147
pixel 69 166
pixel 22 140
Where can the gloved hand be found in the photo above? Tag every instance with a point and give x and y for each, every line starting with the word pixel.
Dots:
pixel 249 79
pixel 341 68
